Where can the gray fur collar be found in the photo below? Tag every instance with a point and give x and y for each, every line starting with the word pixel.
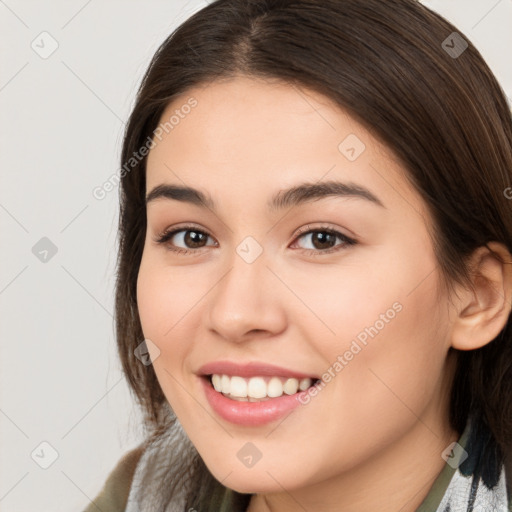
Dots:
pixel 162 476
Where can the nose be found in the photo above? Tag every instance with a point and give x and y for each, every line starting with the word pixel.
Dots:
pixel 247 302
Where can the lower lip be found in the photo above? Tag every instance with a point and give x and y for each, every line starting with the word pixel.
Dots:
pixel 249 413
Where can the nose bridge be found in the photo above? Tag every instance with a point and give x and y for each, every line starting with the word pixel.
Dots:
pixel 247 264
pixel 244 299
pixel 242 288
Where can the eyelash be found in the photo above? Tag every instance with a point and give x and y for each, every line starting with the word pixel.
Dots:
pixel 164 237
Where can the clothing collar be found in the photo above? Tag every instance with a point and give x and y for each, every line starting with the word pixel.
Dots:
pixel 472 480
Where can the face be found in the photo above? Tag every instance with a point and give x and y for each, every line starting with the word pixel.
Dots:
pixel 327 283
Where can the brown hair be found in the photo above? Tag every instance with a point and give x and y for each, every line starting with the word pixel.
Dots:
pixel 443 115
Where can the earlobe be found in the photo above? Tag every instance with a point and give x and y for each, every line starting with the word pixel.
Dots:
pixel 484 311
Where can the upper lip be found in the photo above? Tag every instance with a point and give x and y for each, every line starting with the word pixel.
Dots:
pixel 252 369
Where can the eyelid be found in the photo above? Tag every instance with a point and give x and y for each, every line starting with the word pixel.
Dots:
pixel 168 233
pixel 164 236
pixel 323 227
pixel 308 229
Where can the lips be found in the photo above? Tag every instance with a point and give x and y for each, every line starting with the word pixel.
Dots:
pixel 249 412
pixel 252 369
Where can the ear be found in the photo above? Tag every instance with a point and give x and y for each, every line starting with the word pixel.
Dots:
pixel 483 312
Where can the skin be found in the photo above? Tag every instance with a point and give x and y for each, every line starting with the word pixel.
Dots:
pixel 381 423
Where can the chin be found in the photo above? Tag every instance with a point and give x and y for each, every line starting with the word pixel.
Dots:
pixel 248 485
pixel 256 480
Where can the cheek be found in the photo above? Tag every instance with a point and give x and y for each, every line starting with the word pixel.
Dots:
pixel 165 299
pixel 400 356
pixel 344 302
pixel 166 312
pixel 387 325
pixel 150 295
pixel 392 355
pixel 163 305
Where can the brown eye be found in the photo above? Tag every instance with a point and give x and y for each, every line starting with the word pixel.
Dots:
pixel 323 240
pixel 194 239
pixel 184 239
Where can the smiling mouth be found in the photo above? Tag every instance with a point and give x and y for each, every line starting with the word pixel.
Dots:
pixel 258 388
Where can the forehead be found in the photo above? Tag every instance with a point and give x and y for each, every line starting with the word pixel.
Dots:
pixel 253 135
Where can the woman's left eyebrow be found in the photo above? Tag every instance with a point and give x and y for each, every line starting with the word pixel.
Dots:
pixel 288 198
pixel 308 191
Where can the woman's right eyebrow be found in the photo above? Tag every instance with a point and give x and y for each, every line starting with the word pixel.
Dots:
pixel 288 198
pixel 180 193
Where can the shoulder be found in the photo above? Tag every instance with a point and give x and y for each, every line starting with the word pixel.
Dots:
pixel 114 494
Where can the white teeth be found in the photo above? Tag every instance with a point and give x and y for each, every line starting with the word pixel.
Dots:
pixel 216 381
pixel 275 387
pixel 225 383
pixel 291 386
pixel 257 388
pixel 304 384
pixel 238 387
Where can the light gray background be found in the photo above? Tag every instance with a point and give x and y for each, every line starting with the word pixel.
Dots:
pixel 61 125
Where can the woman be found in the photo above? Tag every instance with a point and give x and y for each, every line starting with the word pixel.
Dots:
pixel 314 276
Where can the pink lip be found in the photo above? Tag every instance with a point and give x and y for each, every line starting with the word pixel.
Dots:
pixel 253 369
pixel 249 413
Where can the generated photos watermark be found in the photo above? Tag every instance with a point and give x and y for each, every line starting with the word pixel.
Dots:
pixel 101 191
pixel 355 348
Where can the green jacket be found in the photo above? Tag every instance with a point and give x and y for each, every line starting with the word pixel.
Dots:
pixel 114 494
pixel 465 483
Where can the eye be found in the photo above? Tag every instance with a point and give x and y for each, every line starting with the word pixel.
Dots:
pixel 190 237
pixel 323 239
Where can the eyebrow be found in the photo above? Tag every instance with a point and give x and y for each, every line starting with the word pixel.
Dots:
pixel 293 196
